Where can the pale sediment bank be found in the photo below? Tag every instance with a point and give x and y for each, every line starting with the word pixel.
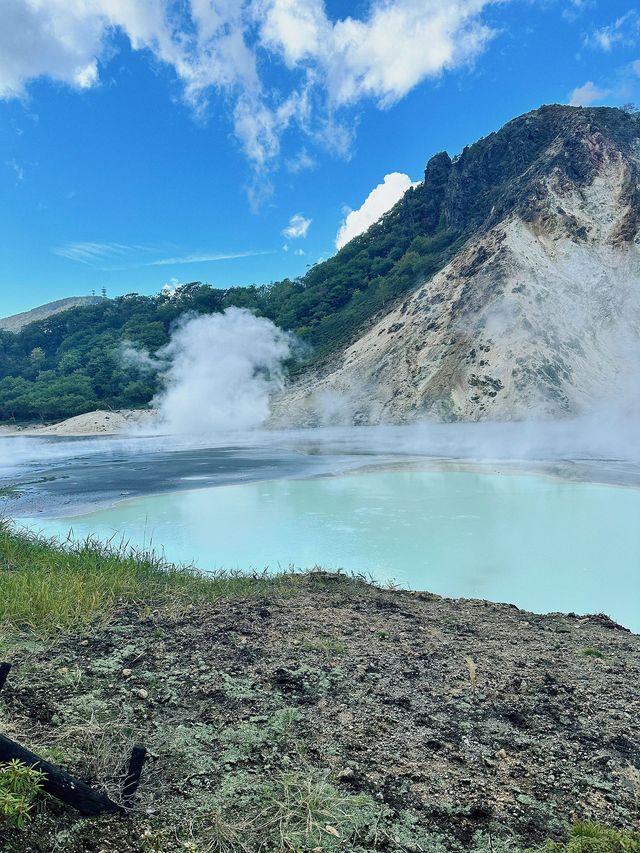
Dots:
pixel 92 423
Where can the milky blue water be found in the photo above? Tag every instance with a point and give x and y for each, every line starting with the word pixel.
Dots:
pixel 542 543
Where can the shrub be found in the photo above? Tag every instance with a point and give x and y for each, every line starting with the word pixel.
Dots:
pixel 19 786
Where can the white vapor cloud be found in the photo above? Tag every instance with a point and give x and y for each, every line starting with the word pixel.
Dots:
pixel 587 94
pixel 213 380
pixel 139 359
pixel 227 48
pixel 377 203
pixel 297 227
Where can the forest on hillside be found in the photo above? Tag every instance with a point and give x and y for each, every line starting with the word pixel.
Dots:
pixel 72 362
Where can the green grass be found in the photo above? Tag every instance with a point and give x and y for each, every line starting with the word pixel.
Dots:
pixel 45 587
pixel 593 838
pixel 593 653
pixel 328 645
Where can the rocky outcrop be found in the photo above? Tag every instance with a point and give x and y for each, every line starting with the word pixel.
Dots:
pixel 539 311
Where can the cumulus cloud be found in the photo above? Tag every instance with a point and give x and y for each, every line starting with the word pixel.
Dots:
pixel 378 202
pixel 383 55
pixel 297 227
pixel 587 94
pixel 323 65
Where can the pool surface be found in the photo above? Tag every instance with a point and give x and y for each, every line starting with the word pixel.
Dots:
pixel 541 543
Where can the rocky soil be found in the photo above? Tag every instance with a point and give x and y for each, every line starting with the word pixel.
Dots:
pixel 459 719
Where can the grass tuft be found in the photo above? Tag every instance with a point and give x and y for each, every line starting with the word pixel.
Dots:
pixel 45 587
pixel 290 812
pixel 594 838
pixel 593 653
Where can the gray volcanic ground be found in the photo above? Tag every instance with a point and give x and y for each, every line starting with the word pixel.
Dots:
pixel 61 476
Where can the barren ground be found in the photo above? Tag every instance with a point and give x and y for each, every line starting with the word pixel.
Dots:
pixel 456 717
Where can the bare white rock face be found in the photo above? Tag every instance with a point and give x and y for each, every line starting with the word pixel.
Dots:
pixel 538 315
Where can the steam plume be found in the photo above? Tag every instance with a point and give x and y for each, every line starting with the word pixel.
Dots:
pixel 222 370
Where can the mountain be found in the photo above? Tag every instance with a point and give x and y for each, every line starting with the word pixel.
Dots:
pixel 17 321
pixel 505 284
pixel 537 313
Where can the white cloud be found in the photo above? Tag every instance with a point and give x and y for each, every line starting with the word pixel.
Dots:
pixel 378 202
pixel 624 30
pixel 228 46
pixel 98 254
pixel 297 227
pixel 90 252
pixel 203 257
pixel 17 169
pixel 576 8
pixel 587 94
pixel 299 252
pixel 384 55
pixel 300 162
pixel 635 67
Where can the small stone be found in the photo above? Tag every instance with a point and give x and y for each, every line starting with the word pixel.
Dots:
pixel 141 693
pixel 126 673
pixel 501 754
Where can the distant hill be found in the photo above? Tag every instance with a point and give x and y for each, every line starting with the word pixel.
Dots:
pixel 17 321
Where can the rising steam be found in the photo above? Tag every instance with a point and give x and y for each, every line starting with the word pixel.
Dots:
pixel 222 370
pixel 218 372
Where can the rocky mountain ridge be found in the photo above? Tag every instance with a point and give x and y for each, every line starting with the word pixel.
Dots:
pixel 538 313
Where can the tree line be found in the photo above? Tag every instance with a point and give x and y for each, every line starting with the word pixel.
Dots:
pixel 72 362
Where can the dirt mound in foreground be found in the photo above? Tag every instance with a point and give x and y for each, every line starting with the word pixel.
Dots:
pixel 462 722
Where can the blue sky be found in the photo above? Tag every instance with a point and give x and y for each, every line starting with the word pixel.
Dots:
pixel 144 142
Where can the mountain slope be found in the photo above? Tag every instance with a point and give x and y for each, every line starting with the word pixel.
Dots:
pixel 16 322
pixel 537 313
pixel 504 285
